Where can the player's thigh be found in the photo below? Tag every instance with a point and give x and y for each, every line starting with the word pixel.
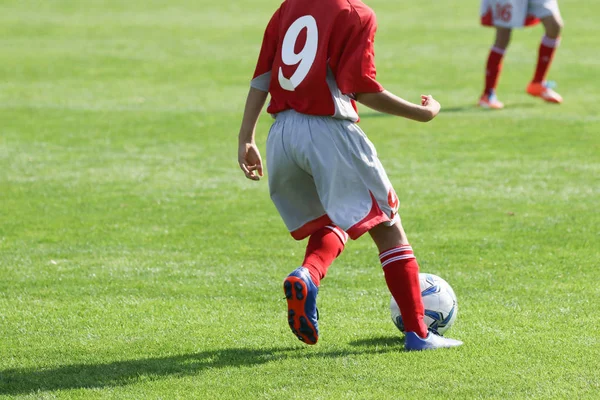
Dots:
pixel 502 37
pixel 544 8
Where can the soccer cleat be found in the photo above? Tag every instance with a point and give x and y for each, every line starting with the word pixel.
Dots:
pixel 301 295
pixel 490 100
pixel 544 91
pixel 433 341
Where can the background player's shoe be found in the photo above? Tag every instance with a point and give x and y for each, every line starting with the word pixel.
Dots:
pixel 544 91
pixel 431 342
pixel 489 100
pixel 301 295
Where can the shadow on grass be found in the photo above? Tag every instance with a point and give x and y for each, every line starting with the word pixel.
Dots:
pixel 375 114
pixel 455 109
pixel 393 342
pixel 468 107
pixel 475 107
pixel 119 373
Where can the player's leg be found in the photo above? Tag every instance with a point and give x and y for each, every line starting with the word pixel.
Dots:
pixel 550 16
pixel 294 194
pixel 301 286
pixel 323 247
pixel 493 68
pixel 359 198
pixel 401 272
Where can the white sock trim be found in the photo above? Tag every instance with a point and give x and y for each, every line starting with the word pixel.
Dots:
pixel 391 260
pixel 395 250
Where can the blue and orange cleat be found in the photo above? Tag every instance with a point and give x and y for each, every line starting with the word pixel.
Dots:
pixel 301 295
pixel 490 100
pixel 433 341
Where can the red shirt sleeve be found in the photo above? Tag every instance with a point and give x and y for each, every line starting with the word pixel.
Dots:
pixel 356 71
pixel 269 46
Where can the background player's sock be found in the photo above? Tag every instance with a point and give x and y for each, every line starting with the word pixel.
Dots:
pixel 323 247
pixel 493 69
pixel 545 55
pixel 401 272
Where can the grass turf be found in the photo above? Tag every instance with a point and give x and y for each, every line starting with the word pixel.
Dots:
pixel 136 261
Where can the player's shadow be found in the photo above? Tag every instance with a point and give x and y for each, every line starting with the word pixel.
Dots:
pixel 120 373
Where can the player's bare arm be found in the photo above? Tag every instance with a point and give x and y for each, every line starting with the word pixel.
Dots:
pixel 389 103
pixel 248 155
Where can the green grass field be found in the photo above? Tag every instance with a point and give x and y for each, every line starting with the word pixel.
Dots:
pixel 136 260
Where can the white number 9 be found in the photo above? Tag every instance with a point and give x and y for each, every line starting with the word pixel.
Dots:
pixel 305 57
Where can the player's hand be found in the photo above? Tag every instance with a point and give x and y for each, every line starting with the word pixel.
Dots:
pixel 430 104
pixel 250 161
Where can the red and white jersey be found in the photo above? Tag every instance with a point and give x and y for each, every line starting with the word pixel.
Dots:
pixel 315 55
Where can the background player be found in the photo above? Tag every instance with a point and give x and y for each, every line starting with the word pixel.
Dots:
pixel 508 14
pixel 325 178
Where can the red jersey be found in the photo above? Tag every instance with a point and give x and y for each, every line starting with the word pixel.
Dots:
pixel 315 55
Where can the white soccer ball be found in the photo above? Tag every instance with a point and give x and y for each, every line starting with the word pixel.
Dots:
pixel 439 301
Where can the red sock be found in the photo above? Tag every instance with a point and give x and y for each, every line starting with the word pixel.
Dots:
pixel 323 247
pixel 493 69
pixel 402 277
pixel 545 55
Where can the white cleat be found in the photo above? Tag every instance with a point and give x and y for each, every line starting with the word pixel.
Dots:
pixel 431 342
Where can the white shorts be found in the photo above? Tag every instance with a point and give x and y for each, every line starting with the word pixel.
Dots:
pixel 324 170
pixel 516 13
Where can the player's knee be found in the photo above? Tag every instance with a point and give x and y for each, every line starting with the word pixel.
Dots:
pixel 502 44
pixel 387 237
pixel 559 25
pixel 554 26
pixel 559 21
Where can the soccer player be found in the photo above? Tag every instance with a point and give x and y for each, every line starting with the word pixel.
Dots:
pixel 508 14
pixel 325 178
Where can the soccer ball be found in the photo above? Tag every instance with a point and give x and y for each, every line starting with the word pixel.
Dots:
pixel 439 301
